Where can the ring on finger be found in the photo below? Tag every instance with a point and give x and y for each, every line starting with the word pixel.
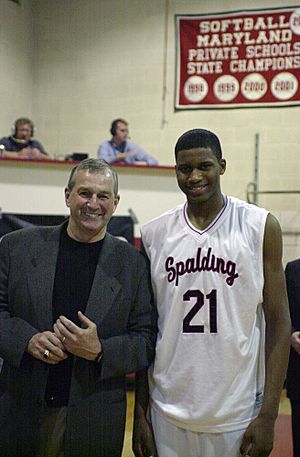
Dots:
pixel 46 354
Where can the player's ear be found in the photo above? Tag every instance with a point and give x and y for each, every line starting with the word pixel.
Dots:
pixel 222 164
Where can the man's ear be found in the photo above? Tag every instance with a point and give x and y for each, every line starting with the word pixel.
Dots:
pixel 222 166
pixel 67 196
pixel 116 201
pixel 176 170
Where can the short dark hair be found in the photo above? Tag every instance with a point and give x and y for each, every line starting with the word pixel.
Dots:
pixel 199 138
pixel 114 125
pixel 93 166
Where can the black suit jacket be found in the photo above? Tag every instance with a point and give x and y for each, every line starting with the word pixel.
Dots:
pixel 292 273
pixel 119 304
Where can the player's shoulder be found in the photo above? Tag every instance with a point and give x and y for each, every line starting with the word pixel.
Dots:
pixel 247 211
pixel 245 206
pixel 165 219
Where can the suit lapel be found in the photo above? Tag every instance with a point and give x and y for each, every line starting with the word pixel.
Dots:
pixel 43 260
pixel 105 286
pixel 43 266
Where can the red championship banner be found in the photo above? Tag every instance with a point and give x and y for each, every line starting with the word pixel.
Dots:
pixel 245 58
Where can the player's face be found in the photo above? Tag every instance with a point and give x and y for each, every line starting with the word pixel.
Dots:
pixel 92 203
pixel 121 132
pixel 198 174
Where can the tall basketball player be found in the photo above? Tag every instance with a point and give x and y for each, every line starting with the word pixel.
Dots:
pixel 223 325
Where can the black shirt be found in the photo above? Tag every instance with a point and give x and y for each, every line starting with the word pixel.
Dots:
pixel 75 271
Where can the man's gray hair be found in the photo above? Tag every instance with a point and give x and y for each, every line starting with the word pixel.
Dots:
pixel 93 166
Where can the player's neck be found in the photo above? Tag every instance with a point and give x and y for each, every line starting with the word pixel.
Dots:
pixel 201 215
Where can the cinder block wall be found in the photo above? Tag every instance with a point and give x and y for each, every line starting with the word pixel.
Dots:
pixel 75 65
pixel 16 62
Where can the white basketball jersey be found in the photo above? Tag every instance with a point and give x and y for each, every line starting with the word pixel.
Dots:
pixel 208 374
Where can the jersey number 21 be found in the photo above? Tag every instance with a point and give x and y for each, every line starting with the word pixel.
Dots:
pixel 200 301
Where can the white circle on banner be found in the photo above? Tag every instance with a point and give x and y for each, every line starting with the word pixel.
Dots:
pixel 295 22
pixel 284 85
pixel 195 88
pixel 226 88
pixel 254 86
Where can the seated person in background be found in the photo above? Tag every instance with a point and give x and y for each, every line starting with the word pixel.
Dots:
pixel 20 144
pixel 118 149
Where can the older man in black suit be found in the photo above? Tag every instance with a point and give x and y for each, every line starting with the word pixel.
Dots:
pixel 75 317
pixel 293 375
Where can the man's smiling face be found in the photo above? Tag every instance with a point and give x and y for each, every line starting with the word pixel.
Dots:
pixel 92 203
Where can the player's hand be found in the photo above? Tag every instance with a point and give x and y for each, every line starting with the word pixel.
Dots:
pixel 258 438
pixel 83 342
pixel 47 347
pixel 295 341
pixel 142 439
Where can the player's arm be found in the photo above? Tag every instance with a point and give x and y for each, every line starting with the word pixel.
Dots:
pixel 258 439
pixel 143 439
